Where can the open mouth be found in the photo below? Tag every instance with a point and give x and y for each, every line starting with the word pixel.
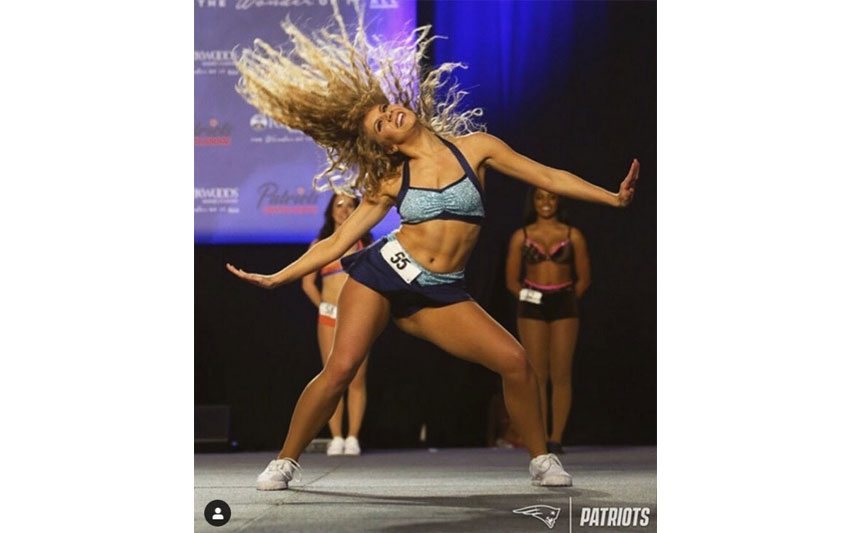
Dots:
pixel 399 121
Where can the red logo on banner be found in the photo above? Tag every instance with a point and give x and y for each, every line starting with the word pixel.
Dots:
pixel 213 133
pixel 273 201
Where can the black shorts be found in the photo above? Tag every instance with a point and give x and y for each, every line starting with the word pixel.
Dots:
pixel 555 305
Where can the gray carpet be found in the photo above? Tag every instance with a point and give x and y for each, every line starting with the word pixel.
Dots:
pixel 448 490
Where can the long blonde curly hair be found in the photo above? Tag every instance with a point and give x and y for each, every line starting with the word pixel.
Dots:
pixel 328 82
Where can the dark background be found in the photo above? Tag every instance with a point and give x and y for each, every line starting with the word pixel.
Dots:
pixel 571 85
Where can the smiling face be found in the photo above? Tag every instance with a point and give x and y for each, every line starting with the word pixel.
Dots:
pixel 389 124
pixel 545 203
pixel 342 208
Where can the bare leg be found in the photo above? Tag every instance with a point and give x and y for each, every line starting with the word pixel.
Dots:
pixel 535 336
pixel 468 332
pixel 564 336
pixel 362 315
pixel 325 336
pixel 357 400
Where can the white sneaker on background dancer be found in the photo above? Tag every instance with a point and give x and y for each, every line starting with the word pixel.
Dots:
pixel 278 474
pixel 336 446
pixel 547 471
pixel 351 446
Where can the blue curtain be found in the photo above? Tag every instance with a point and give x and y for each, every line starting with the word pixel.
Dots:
pixel 519 52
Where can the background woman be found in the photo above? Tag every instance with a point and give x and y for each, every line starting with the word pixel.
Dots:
pixel 556 274
pixel 332 277
pixel 409 153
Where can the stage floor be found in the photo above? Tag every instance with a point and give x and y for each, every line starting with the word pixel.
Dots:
pixel 448 490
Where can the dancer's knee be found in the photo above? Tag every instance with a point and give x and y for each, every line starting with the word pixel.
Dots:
pixel 516 365
pixel 339 374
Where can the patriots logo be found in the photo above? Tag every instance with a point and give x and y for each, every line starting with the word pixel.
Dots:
pixel 546 513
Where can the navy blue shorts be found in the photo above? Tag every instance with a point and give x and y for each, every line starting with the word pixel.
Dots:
pixel 369 268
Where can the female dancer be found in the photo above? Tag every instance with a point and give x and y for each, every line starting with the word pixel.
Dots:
pixel 375 113
pixel 339 208
pixel 557 274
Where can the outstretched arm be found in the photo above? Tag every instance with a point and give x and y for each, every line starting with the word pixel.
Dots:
pixel 499 156
pixel 366 215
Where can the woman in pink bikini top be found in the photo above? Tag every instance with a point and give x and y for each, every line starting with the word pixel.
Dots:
pixel 556 268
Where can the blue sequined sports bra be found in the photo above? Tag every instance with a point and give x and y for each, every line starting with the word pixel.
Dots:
pixel 460 200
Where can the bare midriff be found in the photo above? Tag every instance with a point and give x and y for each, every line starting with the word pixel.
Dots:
pixel 332 285
pixel 549 273
pixel 439 245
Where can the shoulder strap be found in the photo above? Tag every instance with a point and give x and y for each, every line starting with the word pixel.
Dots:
pixel 404 184
pixel 464 164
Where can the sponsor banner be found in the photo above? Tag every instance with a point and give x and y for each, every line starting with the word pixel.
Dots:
pixel 201 4
pixel 215 62
pixel 224 200
pixel 274 198
pixel 253 175
pixel 212 133
pixel 268 131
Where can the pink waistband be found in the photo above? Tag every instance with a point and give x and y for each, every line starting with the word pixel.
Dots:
pixel 548 287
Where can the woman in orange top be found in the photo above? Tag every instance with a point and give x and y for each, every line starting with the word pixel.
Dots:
pixel 332 278
pixel 557 273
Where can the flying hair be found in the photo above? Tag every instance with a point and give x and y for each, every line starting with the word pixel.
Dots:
pixel 328 81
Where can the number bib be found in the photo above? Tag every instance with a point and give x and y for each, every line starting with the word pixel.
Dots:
pixel 396 257
pixel 530 296
pixel 329 310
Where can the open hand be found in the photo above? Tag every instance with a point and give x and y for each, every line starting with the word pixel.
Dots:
pixel 260 280
pixel 628 186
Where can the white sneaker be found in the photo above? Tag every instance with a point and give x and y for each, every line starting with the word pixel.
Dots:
pixel 336 446
pixel 278 473
pixel 351 446
pixel 547 471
